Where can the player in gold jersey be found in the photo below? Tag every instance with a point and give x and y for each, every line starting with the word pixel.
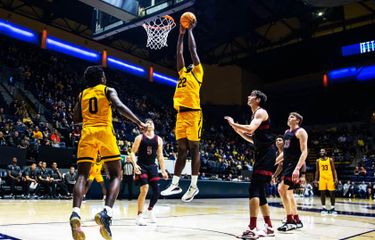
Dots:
pixel 96 173
pixel 327 176
pixel 189 120
pixel 93 109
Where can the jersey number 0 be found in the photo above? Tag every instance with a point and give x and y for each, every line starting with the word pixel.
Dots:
pixel 93 105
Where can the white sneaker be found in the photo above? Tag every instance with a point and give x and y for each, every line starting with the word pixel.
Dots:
pixel 171 190
pixel 249 234
pixel 151 216
pixel 266 231
pixel 140 221
pixel 190 194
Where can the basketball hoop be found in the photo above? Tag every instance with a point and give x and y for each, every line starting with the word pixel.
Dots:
pixel 157 31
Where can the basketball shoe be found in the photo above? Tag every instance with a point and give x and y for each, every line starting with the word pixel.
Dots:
pixel 140 221
pixel 171 190
pixel 249 234
pixel 151 216
pixel 266 231
pixel 332 212
pixel 287 227
pixel 190 194
pixel 104 221
pixel 75 225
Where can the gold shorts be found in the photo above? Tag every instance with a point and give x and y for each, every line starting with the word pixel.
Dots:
pixel 326 184
pixel 98 177
pixel 189 125
pixel 96 140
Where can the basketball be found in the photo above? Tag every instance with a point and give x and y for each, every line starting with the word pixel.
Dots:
pixel 186 19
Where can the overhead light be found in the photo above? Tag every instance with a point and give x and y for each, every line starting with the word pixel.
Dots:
pixel 320 13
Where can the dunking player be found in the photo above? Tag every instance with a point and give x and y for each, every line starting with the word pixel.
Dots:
pixel 327 176
pixel 148 146
pixel 94 110
pixel 265 156
pixel 189 115
pixel 96 173
pixel 294 156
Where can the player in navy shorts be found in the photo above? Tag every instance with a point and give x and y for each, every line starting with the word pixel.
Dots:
pixel 148 147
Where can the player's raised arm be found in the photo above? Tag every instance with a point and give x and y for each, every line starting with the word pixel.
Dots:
pixel 193 46
pixel 180 49
pixel 123 110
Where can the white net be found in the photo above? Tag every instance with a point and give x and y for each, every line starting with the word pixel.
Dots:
pixel 158 30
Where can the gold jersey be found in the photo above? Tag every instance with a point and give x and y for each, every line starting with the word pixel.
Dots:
pixel 188 88
pixel 96 168
pixel 325 170
pixel 96 108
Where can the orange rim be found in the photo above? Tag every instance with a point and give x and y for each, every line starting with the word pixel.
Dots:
pixel 170 25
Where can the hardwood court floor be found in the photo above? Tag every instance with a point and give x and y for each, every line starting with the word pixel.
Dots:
pixel 201 219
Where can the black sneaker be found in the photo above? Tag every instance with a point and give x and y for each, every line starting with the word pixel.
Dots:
pixel 104 221
pixel 299 224
pixel 287 227
pixel 75 225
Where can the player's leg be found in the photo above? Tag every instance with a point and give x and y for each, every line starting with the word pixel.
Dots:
pixel 99 179
pixel 80 188
pixel 89 181
pixel 141 202
pixel 331 189
pixel 195 166
pixel 104 218
pixel 111 157
pixel 251 233
pixel 182 148
pixel 78 192
pixel 283 191
pixel 323 189
pixel 293 204
pixel 193 133
pixel 143 181
pixel 154 184
pixel 267 231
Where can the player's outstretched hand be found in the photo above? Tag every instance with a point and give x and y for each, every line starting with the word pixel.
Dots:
pixel 137 169
pixel 295 175
pixel 142 126
pixel 315 183
pixel 193 24
pixel 229 119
